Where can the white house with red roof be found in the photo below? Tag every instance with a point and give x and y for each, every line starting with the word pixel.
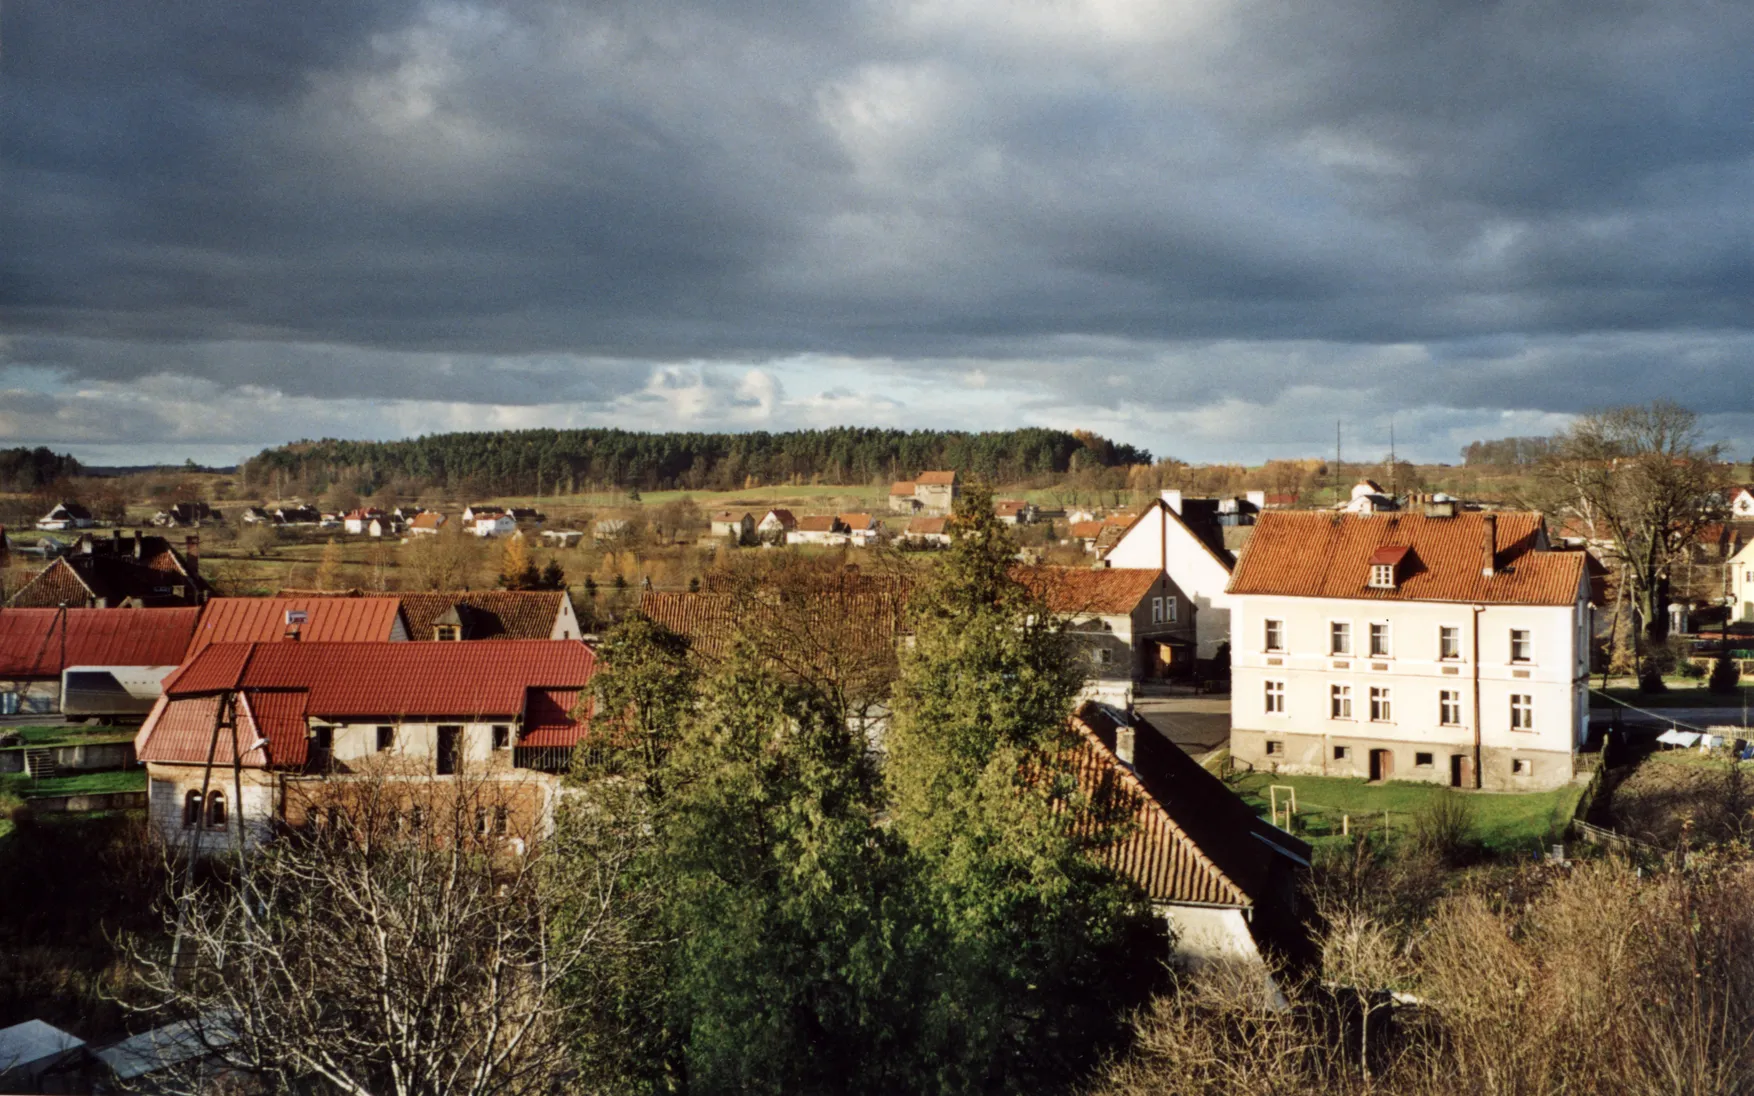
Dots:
pixel 1131 624
pixel 1448 647
pixel 1192 554
pixel 303 719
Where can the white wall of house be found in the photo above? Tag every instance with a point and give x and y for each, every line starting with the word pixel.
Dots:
pixel 1741 567
pixel 169 785
pixel 1160 540
pixel 1305 671
pixel 1208 934
pixel 419 741
pixel 566 622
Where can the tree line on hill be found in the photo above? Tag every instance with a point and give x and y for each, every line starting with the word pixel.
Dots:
pixel 1508 452
pixel 567 461
pixel 24 469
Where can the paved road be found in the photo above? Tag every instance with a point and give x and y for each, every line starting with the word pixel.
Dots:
pixel 1198 724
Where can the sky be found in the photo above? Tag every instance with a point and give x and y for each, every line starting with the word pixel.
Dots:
pixel 1211 228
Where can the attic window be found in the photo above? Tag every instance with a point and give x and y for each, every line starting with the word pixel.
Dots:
pixel 447 633
pixel 1382 575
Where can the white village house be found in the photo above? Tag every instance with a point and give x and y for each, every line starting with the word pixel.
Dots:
pixel 1443 646
pixel 1196 564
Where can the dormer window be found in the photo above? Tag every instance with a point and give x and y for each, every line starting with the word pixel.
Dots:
pixel 1385 565
pixel 447 633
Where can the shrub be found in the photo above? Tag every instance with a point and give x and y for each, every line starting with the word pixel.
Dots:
pixel 1725 675
pixel 1444 826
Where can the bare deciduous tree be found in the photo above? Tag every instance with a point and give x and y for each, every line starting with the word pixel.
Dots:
pixel 405 945
pixel 1642 478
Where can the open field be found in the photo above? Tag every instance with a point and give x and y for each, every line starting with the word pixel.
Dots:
pixel 1503 822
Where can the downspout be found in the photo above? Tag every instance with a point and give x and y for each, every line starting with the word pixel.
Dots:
pixel 1479 760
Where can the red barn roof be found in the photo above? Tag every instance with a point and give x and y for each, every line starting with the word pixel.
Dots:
pixel 31 639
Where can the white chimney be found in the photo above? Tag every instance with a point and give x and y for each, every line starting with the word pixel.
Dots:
pixel 1258 499
pixel 1172 498
pixel 1124 744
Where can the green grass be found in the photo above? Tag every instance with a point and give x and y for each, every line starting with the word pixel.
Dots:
pixel 17 786
pixel 1503 821
pixel 70 735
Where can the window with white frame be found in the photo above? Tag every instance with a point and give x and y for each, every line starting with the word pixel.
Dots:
pixel 1449 708
pixel 1275 698
pixel 1449 642
pixel 1380 710
pixel 1382 575
pixel 1340 702
pixel 1157 610
pixel 1275 637
pixel 1379 639
pixel 1522 649
pixel 1171 609
pixel 1522 712
pixel 1340 637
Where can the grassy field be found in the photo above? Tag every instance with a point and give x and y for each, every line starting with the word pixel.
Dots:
pixel 69 735
pixel 1682 693
pixel 1503 822
pixel 20 786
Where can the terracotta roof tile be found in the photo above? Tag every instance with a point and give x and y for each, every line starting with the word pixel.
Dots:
pixel 263 620
pixel 901 488
pixel 819 523
pixel 1191 839
pixel 1310 554
pixel 182 731
pixel 1108 591
pixel 935 479
pixel 499 614
pixel 711 620
pixel 548 718
pixel 921 527
pixel 31 639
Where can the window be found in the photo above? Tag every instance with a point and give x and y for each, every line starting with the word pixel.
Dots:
pixel 1157 610
pixel 1340 702
pixel 386 738
pixel 191 810
pixel 447 633
pixel 1275 749
pixel 1275 635
pixel 481 820
pixel 502 737
pixel 1342 753
pixel 1171 610
pixel 1522 766
pixel 1102 656
pixel 1422 761
pixel 1382 575
pixel 1340 637
pixel 216 810
pixel 1380 712
pixel 1275 698
pixel 416 819
pixel 1521 650
pixel 1379 640
pixel 1522 712
pixel 501 820
pixel 1449 708
pixel 1449 642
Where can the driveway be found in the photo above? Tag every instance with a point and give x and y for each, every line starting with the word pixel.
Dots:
pixel 1198 724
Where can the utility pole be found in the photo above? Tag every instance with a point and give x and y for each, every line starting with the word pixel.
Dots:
pixel 1394 468
pixel 1337 477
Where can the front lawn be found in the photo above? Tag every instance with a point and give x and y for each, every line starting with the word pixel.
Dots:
pixel 17 786
pixel 1503 821
pixel 72 734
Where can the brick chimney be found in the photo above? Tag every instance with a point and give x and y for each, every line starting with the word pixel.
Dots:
pixel 192 552
pixel 1488 544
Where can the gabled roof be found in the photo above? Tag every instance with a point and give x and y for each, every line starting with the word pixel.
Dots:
pixel 70 509
pixel 858 521
pixel 1103 591
pixel 1009 506
pixel 871 609
pixel 818 523
pixel 1192 840
pixel 327 619
pixel 1310 554
pixel 492 614
pixel 901 488
pixel 935 479
pixel 1209 535
pixel 107 568
pixel 182 730
pixel 31 639
pixel 427 519
pixel 1085 530
pixel 922 527
pixel 391 679
pixel 783 516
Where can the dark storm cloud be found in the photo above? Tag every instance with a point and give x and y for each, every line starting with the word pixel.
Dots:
pixel 1513 207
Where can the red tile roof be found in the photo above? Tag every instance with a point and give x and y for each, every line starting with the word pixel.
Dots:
pixel 783 516
pixel 1106 591
pixel 858 521
pixel 548 718
pixel 263 620
pixel 1086 530
pixel 498 614
pixel 404 680
pixel 901 488
pixel 427 519
pixel 818 523
pixel 1310 554
pixel 1191 839
pixel 866 611
pixel 921 527
pixel 935 479
pixel 183 731
pixel 31 639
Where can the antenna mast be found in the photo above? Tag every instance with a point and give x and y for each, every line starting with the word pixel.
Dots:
pixel 1394 468
pixel 1337 477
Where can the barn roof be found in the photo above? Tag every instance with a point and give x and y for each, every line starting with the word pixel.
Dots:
pixel 31 640
pixel 263 620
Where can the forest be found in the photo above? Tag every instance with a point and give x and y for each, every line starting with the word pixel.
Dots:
pixel 23 469
pixel 567 461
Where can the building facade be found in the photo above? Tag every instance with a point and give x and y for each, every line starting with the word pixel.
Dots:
pixel 1446 649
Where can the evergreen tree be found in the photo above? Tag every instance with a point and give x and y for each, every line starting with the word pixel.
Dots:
pixel 553 577
pixel 1043 951
pixel 517 571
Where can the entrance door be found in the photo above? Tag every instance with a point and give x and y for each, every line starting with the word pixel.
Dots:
pixel 447 749
pixel 1461 771
pixel 1382 764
